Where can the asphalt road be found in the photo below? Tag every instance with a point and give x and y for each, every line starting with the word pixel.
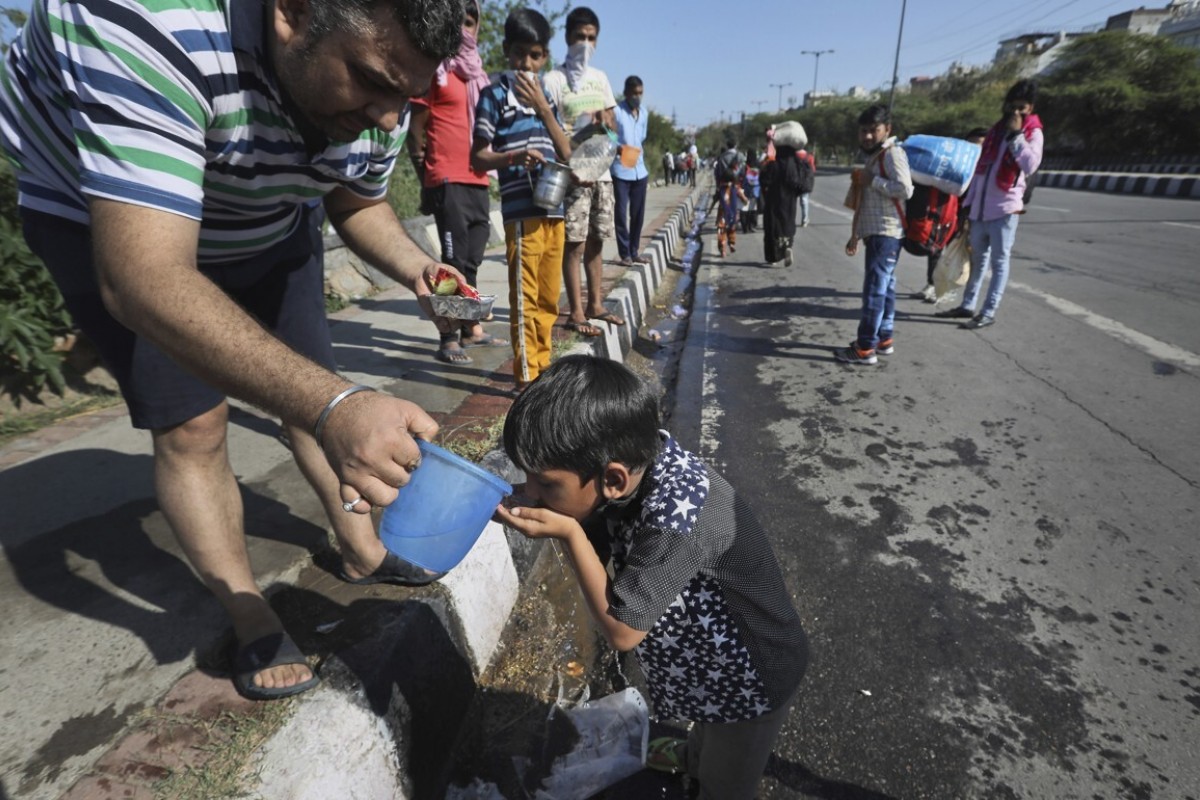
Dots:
pixel 991 536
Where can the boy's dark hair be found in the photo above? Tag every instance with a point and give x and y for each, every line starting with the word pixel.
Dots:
pixel 582 414
pixel 1025 91
pixel 977 133
pixel 581 16
pixel 877 114
pixel 632 82
pixel 526 26
pixel 730 143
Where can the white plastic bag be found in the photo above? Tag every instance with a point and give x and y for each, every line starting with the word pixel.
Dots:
pixel 954 267
pixel 613 734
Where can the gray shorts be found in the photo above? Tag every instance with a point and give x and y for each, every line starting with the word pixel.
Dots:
pixel 590 212
pixel 284 290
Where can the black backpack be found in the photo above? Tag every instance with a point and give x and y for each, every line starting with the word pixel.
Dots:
pixel 807 178
pixel 727 166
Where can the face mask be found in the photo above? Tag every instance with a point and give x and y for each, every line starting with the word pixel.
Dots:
pixel 580 53
pixel 578 56
pixel 634 102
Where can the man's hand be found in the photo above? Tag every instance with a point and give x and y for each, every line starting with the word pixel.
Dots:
pixel 852 246
pixel 1014 121
pixel 538 523
pixel 368 441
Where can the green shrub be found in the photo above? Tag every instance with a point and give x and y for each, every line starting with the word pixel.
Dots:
pixel 404 191
pixel 32 314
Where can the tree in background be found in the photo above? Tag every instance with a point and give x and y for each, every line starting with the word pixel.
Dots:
pixel 1111 95
pixel 1121 94
pixel 661 137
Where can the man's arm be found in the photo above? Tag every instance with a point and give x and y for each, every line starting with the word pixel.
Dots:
pixel 149 281
pixel 373 233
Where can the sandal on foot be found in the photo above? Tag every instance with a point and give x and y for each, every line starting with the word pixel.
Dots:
pixel 487 340
pixel 609 317
pixel 667 754
pixel 272 650
pixel 396 571
pixel 583 328
pixel 450 351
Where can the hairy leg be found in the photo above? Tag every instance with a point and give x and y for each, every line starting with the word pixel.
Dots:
pixel 199 496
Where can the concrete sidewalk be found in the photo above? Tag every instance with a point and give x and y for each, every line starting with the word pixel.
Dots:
pixel 105 623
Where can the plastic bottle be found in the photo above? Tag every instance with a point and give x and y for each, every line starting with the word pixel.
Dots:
pixel 593 156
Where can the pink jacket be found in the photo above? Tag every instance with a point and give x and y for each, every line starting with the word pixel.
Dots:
pixel 987 201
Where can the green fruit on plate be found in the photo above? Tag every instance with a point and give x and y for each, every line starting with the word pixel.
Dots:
pixel 446 286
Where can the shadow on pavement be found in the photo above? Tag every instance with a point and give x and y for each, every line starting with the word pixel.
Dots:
pixel 800 778
pixel 120 566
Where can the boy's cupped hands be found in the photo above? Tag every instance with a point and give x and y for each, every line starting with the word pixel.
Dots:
pixel 536 523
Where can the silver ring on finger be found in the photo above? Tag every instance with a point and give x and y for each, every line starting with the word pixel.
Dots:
pixel 349 505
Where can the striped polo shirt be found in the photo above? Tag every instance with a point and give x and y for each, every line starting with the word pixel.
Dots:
pixel 502 122
pixel 172 105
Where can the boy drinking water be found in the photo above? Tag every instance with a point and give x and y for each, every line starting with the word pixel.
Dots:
pixel 516 131
pixel 697 593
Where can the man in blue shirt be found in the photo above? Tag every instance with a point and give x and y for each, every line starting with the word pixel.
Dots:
pixel 630 182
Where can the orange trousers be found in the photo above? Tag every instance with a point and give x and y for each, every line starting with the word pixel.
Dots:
pixel 534 248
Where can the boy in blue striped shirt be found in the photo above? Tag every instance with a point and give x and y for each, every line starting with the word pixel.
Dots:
pixel 516 131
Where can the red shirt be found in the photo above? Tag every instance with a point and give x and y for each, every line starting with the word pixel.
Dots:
pixel 448 135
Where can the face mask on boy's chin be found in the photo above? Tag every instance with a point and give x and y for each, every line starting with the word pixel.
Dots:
pixel 873 149
pixel 634 102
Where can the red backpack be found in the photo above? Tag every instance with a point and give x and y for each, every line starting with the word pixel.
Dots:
pixel 930 220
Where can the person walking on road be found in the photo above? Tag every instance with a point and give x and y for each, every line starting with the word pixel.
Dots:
pixel 809 184
pixel 1012 151
pixel 696 591
pixel 668 168
pixel 752 186
pixel 198 272
pixel 729 197
pixel 783 179
pixel 439 144
pixel 877 191
pixel 580 90
pixel 629 183
pixel 919 199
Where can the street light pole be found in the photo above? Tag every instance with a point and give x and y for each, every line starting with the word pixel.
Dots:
pixel 781 87
pixel 816 63
pixel 759 104
pixel 896 66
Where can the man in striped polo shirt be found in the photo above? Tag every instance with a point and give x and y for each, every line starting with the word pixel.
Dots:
pixel 170 157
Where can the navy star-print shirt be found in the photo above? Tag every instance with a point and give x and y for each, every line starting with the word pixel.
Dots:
pixel 695 569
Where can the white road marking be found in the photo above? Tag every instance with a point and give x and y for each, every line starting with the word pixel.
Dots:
pixel 1036 206
pixel 1183 225
pixel 1155 348
pixel 841 212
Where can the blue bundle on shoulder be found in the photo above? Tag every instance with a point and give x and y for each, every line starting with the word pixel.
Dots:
pixel 942 162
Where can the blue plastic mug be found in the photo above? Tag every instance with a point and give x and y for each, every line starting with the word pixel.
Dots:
pixel 440 513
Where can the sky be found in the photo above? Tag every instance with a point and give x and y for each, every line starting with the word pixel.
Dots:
pixel 704 59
